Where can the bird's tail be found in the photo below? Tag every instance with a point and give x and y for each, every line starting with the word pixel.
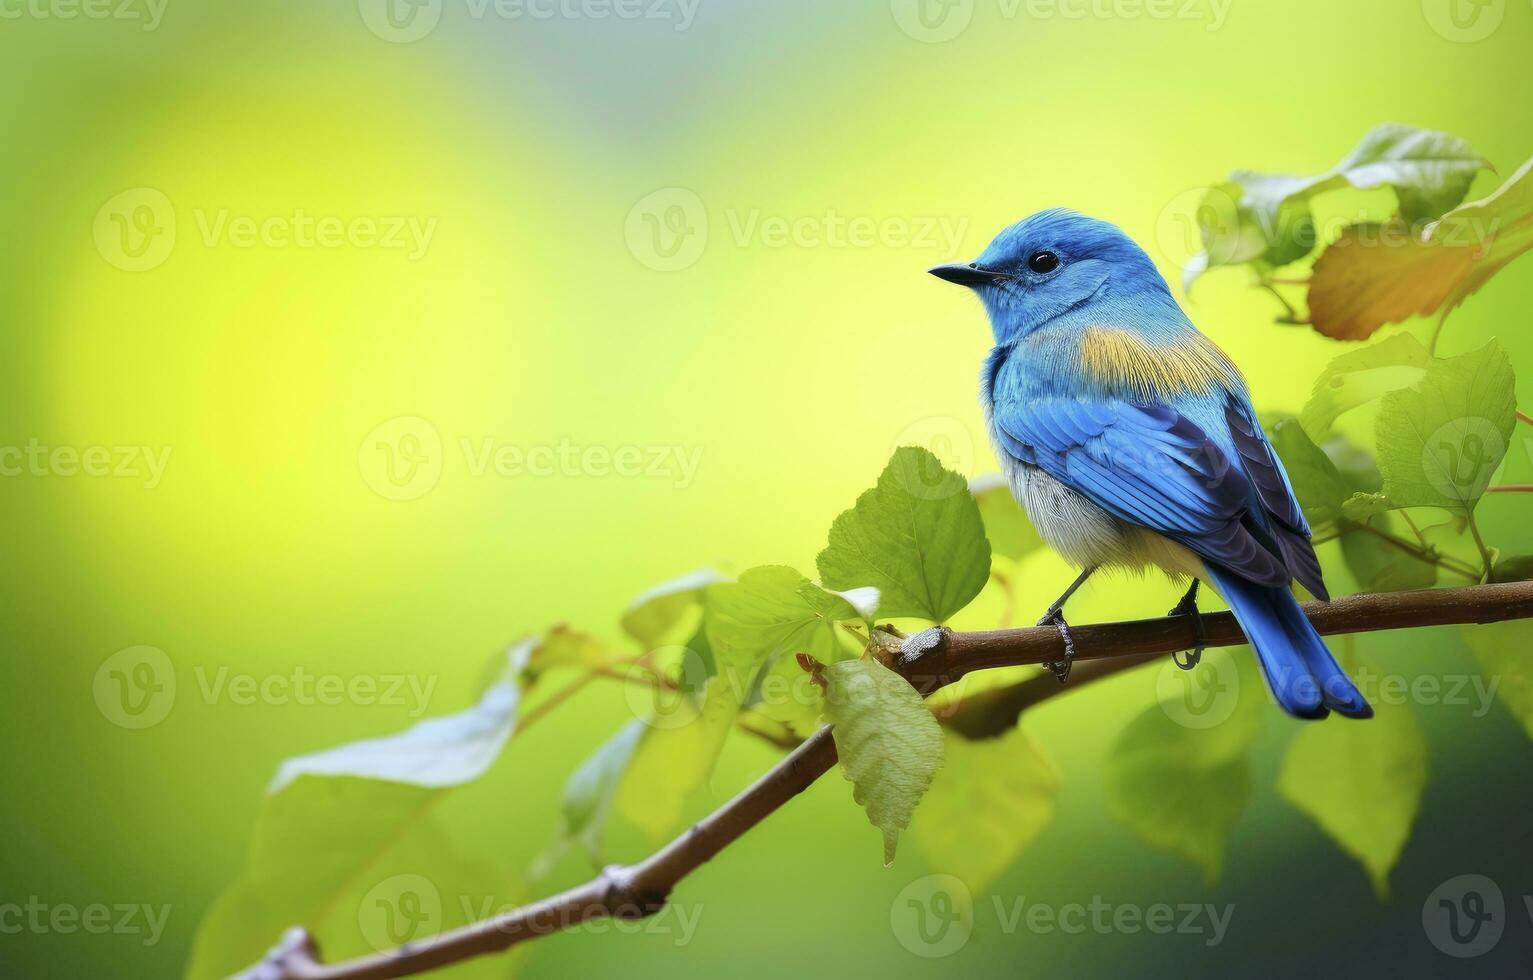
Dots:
pixel 1304 677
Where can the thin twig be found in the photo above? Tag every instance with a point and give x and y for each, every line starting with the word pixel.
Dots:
pixel 643 889
pixel 1421 554
pixel 1511 488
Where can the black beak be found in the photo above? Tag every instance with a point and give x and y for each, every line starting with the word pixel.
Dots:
pixel 967 275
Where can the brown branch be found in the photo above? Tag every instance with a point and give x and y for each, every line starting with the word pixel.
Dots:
pixel 1102 650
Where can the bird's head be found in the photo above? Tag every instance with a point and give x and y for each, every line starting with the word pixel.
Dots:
pixel 1051 263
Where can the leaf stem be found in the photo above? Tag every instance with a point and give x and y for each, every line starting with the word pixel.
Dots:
pixel 1511 488
pixel 1291 316
pixel 1415 529
pixel 1474 529
pixel 1437 331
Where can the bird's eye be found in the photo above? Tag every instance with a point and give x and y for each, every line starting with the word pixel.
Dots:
pixel 1043 262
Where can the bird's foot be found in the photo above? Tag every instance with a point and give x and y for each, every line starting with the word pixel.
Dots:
pixel 1055 617
pixel 1189 607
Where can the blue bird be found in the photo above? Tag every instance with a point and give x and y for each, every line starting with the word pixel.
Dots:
pixel 1130 440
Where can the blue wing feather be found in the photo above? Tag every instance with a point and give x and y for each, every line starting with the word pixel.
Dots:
pixel 1150 466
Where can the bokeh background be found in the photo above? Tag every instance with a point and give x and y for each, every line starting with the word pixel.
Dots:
pixel 589 251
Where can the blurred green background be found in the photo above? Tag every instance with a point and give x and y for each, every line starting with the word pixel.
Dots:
pixel 631 232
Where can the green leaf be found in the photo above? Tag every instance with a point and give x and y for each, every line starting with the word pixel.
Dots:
pixel 1360 376
pixel 1010 533
pixel 917 536
pixel 1514 568
pixel 1179 774
pixel 653 617
pixel 1231 233
pixel 1317 482
pixel 1362 782
pixel 1441 440
pixel 677 756
pixel 359 863
pixel 1266 217
pixel 1380 566
pixel 1378 274
pixel 764 620
pixel 889 743
pixel 589 794
pixel 1502 652
pixel 1430 172
pixel 772 610
pixel 991 799
pixel 438 752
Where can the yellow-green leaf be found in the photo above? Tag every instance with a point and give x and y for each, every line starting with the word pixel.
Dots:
pixel 1362 782
pixel 889 743
pixel 677 756
pixel 653 617
pixel 1361 376
pixel 991 799
pixel 1441 440
pixel 1502 652
pixel 360 863
pixel 1179 774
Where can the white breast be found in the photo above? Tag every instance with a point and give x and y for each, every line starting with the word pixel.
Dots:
pixel 1085 534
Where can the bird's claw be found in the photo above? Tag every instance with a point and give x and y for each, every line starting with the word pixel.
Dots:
pixel 1060 668
pixel 1189 607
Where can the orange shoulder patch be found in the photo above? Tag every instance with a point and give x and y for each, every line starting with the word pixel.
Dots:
pixel 1124 360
